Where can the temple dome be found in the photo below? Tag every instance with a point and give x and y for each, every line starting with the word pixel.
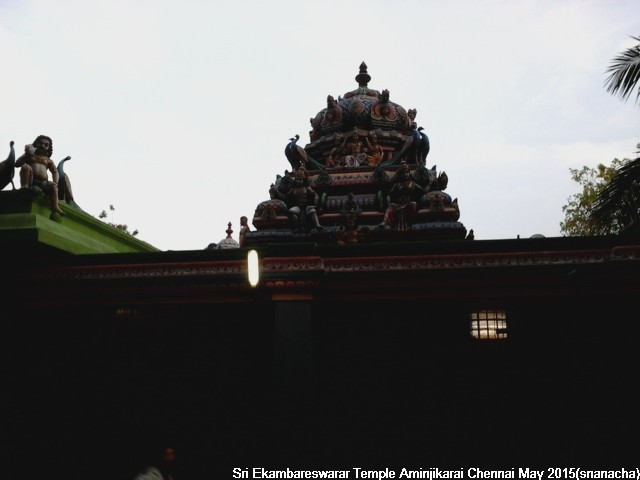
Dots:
pixel 227 242
pixel 364 110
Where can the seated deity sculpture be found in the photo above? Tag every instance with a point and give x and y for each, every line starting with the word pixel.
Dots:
pixel 301 202
pixel 354 151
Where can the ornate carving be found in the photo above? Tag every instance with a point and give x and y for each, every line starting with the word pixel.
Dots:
pixel 35 165
pixel 301 201
pixel 358 142
pixel 402 200
pixel 332 115
pixel 270 209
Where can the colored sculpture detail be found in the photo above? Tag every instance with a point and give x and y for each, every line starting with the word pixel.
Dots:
pixel 363 177
pixel 301 201
pixel 35 166
pixel 368 113
pixel 375 153
pixel 352 151
pixel 402 200
pixel 244 228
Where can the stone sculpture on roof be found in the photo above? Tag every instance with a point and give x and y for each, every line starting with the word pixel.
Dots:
pixel 365 178
pixel 35 166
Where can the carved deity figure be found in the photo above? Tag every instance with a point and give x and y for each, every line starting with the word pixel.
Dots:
pixel 301 201
pixel 335 157
pixel 333 113
pixel 354 151
pixel 375 153
pixel 244 228
pixel 35 164
pixel 349 232
pixel 402 200
pixel 384 109
pixel 411 113
pixel 329 119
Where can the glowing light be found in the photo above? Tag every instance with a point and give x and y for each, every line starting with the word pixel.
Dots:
pixel 253 268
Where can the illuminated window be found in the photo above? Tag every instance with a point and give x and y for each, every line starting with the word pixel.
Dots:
pixel 489 324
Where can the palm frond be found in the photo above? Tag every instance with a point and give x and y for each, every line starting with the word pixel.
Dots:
pixel 624 73
pixel 619 203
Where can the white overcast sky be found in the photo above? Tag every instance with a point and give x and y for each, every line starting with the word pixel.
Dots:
pixel 177 112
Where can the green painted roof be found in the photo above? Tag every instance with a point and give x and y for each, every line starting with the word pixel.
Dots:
pixel 27 224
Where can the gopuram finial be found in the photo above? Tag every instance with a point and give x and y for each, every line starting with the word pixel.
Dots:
pixel 363 78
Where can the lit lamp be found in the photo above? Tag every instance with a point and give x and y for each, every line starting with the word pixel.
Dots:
pixel 253 268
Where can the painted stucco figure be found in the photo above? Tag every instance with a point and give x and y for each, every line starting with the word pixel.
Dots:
pixel 35 165
pixel 301 200
pixel 402 200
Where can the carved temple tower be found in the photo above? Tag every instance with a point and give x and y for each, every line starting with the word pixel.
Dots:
pixel 363 177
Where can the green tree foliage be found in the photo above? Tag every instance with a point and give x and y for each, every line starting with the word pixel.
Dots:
pixel 618 204
pixel 610 199
pixel 578 211
pixel 103 215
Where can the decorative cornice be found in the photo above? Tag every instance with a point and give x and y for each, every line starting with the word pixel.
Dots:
pixel 151 270
pixel 277 271
pixel 626 253
pixel 286 284
pixel 293 264
pixel 484 260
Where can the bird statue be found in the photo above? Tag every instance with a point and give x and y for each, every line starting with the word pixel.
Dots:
pixel 8 168
pixel 295 153
pixel 424 147
pixel 64 185
pixel 414 149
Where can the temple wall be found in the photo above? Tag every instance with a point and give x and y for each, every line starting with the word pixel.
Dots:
pixel 368 383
